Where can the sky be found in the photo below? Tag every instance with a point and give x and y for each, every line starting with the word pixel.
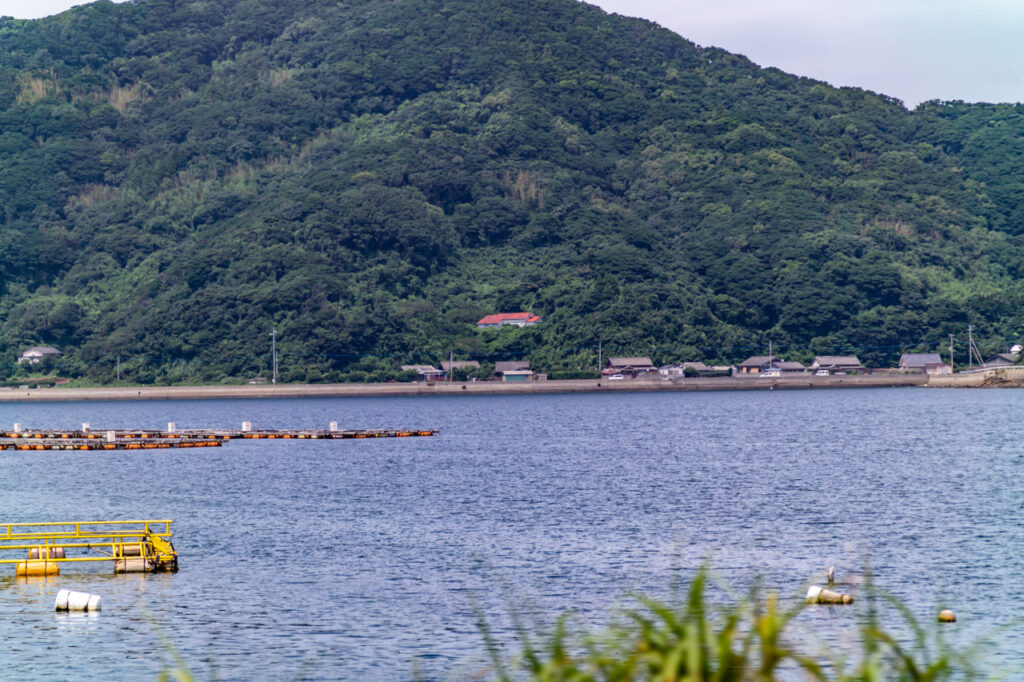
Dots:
pixel 914 50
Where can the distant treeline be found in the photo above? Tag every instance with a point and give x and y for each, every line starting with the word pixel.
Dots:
pixel 179 178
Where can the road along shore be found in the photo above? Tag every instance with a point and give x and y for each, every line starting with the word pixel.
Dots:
pixel 455 388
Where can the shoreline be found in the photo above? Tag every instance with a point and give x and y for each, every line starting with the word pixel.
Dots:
pixel 456 388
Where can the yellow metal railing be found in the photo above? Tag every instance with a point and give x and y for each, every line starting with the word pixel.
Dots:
pixel 145 539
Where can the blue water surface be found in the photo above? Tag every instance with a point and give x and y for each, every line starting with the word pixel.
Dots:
pixel 367 559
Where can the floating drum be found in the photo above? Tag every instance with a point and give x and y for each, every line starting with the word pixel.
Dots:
pixel 53 553
pixel 133 566
pixel 131 550
pixel 68 600
pixel 36 568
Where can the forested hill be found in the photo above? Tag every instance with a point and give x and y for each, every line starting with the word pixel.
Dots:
pixel 370 177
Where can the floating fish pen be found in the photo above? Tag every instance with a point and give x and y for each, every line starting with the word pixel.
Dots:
pixel 131 546
pixel 313 434
pixel 87 438
pixel 82 444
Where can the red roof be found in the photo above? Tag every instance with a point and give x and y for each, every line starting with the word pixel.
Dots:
pixel 498 318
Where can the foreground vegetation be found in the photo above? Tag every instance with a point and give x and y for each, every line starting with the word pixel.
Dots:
pixel 752 640
pixel 370 177
pixel 693 640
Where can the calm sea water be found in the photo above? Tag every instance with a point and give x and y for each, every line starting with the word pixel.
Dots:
pixel 364 559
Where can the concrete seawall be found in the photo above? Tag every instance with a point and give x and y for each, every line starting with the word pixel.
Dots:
pixel 1002 377
pixel 455 388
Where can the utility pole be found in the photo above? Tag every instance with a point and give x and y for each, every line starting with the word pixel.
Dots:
pixel 273 352
pixel 599 356
pixel 970 346
pixel 769 355
pixel 451 365
pixel 952 364
pixel 972 349
pixel 118 367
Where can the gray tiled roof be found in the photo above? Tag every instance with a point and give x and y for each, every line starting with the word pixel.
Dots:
pixel 503 366
pixel 836 361
pixel 637 361
pixel 920 359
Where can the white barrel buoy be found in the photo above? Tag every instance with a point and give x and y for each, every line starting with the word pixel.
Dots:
pixel 247 426
pixel 85 427
pixel 819 595
pixel 17 427
pixel 171 427
pixel 136 565
pixel 68 600
pixel 334 426
pixel 111 436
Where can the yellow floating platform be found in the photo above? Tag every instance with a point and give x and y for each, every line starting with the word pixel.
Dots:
pixel 132 546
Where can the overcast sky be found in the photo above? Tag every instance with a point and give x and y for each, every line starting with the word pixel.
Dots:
pixel 914 50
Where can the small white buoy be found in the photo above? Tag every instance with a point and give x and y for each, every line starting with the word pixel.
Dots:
pixel 334 426
pixel 68 600
pixel 171 427
pixel 17 427
pixel 247 426
pixel 947 616
pixel 819 595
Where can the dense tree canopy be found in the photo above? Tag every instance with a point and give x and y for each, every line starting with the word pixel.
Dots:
pixel 179 177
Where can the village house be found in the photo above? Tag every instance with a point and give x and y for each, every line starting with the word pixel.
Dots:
pixel 701 369
pixel 929 363
pixel 789 367
pixel 459 364
pixel 465 365
pixel 37 354
pixel 513 370
pixel 837 364
pixel 425 372
pixel 1001 360
pixel 755 364
pixel 771 365
pixel 670 371
pixel 629 367
pixel 686 369
pixel 508 319
pixel 1007 359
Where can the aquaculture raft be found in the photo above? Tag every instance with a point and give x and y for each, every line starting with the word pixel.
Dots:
pixel 60 443
pixel 119 439
pixel 133 546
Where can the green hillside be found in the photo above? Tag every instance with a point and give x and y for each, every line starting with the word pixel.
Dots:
pixel 370 177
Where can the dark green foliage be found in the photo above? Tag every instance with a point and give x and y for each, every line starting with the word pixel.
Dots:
pixel 369 178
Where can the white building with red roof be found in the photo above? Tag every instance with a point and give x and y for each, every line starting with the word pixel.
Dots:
pixel 514 319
